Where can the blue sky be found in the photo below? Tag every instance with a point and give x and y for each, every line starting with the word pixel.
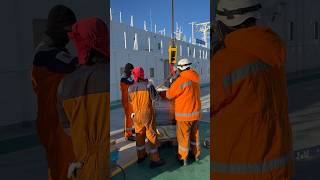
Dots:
pixel 186 11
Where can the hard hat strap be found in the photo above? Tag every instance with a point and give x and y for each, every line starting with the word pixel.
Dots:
pixel 240 11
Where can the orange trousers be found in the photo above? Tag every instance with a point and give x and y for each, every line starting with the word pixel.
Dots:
pixel 128 122
pixel 188 132
pixel 149 132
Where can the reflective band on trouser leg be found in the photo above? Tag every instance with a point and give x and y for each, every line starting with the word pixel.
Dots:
pixel 154 154
pixel 141 151
pixel 195 148
pixel 183 137
pixel 244 71
pixel 183 152
pixel 128 125
pixel 141 148
pixel 252 168
pixel 194 139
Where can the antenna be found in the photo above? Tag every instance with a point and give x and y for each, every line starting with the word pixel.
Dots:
pixel 131 23
pixel 110 14
pixel 192 32
pixel 145 25
pixel 120 17
pixel 150 16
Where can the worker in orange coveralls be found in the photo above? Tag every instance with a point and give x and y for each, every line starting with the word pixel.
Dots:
pixel 52 62
pixel 185 91
pixel 251 137
pixel 141 95
pixel 125 82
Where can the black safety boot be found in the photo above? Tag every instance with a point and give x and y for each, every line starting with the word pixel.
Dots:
pixel 155 164
pixel 193 158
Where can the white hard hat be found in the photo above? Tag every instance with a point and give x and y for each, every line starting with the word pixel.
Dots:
pixel 235 12
pixel 183 64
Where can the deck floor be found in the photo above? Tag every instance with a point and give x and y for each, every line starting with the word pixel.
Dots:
pixel 172 169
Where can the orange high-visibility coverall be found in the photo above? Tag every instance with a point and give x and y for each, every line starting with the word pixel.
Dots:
pixel 128 123
pixel 49 67
pixel 84 105
pixel 185 91
pixel 83 100
pixel 141 95
pixel 251 134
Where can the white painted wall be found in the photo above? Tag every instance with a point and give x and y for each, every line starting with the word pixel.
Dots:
pixel 154 59
pixel 303 52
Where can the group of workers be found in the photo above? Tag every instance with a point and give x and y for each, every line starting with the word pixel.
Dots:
pixel 251 135
pixel 73 100
pixel 73 96
pixel 250 131
pixel 138 95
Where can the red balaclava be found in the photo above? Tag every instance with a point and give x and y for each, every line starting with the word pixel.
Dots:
pixel 138 73
pixel 88 34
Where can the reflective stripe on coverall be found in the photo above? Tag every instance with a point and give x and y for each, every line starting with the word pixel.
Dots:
pixel 185 91
pixel 141 95
pixel 49 67
pixel 128 122
pixel 251 134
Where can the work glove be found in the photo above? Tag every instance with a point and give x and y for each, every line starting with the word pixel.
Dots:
pixel 73 167
pixel 132 115
pixel 151 81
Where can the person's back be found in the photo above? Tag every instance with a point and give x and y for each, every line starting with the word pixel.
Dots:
pixel 250 126
pixel 85 98
pixel 84 102
pixel 185 92
pixel 141 95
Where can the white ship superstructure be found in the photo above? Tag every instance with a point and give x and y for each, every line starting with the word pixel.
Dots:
pixel 149 50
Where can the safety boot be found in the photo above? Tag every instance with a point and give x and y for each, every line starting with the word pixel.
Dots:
pixel 193 158
pixel 140 160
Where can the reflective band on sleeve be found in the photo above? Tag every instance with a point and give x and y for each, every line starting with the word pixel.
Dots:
pixel 187 114
pixel 252 168
pixel 140 148
pixel 129 129
pixel 152 151
pixel 188 83
pixel 183 149
pixel 194 143
pixel 243 72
